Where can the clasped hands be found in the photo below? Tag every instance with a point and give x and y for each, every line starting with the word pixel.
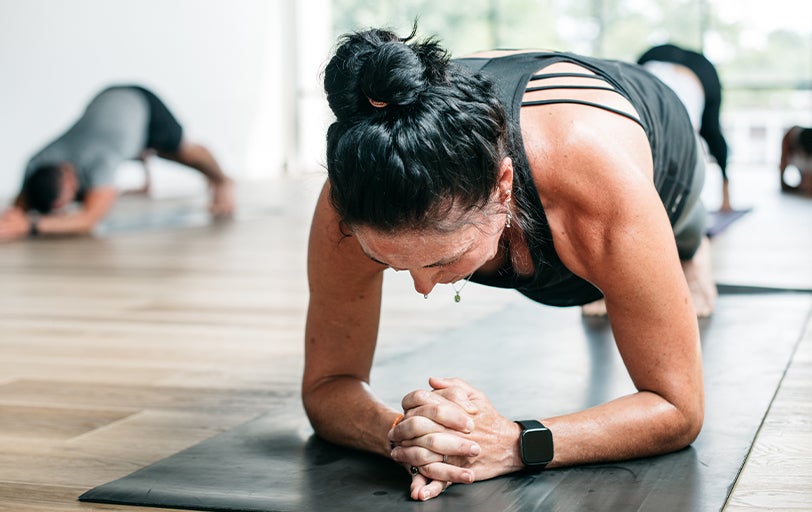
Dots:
pixel 452 434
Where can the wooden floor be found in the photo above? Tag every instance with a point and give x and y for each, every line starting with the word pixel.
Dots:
pixel 120 350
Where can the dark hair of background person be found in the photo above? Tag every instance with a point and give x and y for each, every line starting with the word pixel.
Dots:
pixel 441 134
pixel 41 188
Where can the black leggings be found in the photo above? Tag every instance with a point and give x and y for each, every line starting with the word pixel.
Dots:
pixel 709 127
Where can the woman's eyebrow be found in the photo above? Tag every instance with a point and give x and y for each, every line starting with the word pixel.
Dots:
pixel 379 262
pixel 445 261
pixel 451 259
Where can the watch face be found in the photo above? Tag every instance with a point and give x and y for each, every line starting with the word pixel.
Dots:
pixel 537 446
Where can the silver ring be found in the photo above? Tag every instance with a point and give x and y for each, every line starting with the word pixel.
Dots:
pixel 445 459
pixel 413 470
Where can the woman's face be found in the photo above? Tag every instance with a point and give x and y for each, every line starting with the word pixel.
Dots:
pixel 437 257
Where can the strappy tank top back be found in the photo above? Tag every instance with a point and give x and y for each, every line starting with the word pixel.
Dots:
pixel 659 113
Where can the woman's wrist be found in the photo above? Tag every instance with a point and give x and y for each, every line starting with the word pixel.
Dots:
pixel 514 462
pixel 389 444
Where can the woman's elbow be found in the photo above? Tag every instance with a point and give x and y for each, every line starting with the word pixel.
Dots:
pixel 313 402
pixel 310 405
pixel 693 426
pixel 690 424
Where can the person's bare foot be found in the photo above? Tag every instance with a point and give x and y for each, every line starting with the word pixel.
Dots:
pixel 222 198
pixel 700 280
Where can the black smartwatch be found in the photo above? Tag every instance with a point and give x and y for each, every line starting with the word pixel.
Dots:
pixel 535 445
pixel 33 225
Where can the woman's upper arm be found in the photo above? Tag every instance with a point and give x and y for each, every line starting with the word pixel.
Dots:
pixel 610 227
pixel 344 307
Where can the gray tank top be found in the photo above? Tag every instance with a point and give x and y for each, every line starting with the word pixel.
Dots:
pixel 112 129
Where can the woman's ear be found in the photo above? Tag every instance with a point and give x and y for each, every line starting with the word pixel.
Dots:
pixel 505 182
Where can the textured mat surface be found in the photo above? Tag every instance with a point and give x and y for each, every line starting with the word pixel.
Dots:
pixel 769 247
pixel 531 361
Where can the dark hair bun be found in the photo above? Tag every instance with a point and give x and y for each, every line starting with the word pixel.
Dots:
pixel 378 65
pixel 414 135
pixel 393 74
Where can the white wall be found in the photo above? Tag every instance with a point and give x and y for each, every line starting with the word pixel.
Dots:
pixel 226 68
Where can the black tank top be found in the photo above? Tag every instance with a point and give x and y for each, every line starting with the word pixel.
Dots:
pixel 662 116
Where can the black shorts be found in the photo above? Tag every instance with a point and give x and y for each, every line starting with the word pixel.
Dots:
pixel 164 133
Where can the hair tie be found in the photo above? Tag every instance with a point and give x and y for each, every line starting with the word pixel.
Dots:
pixel 376 103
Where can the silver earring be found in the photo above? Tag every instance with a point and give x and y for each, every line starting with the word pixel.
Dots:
pixel 508 215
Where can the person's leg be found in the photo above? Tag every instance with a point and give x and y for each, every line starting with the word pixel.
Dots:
pixel 787 151
pixel 699 275
pixel 146 188
pixel 695 256
pixel 725 206
pixel 802 159
pixel 166 137
pixel 694 246
pixel 711 131
pixel 200 158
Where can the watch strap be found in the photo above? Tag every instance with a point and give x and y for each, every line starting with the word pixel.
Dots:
pixel 529 425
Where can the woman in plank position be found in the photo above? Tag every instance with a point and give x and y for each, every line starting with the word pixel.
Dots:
pixel 570 179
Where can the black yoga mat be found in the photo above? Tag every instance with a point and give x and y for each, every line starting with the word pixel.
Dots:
pixel 743 289
pixel 532 361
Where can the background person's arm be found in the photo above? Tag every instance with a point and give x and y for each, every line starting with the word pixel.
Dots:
pixel 96 205
pixel 15 223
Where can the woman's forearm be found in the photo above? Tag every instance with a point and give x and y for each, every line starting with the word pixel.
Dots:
pixel 638 425
pixel 343 410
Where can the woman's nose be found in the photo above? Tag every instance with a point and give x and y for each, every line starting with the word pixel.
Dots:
pixel 424 280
